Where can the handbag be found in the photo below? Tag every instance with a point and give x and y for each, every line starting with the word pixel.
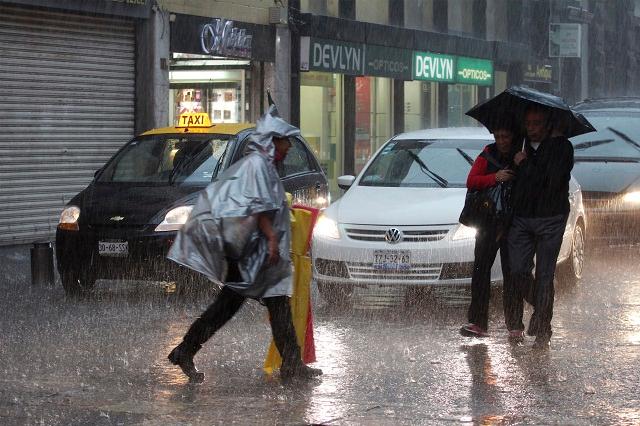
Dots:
pixel 485 207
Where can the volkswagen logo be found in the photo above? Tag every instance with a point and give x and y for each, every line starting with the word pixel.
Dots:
pixel 393 236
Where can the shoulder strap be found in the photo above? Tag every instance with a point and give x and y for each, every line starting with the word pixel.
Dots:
pixel 490 158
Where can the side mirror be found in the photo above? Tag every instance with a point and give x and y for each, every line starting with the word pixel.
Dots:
pixel 345 182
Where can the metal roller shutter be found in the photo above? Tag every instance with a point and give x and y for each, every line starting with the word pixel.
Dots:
pixel 68 85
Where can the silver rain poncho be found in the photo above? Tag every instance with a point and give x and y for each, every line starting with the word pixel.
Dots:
pixel 223 224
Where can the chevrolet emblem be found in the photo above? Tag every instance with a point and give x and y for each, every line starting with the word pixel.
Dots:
pixel 117 218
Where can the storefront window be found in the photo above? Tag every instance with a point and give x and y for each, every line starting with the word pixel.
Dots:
pixel 320 7
pixel 218 87
pixel 418 14
pixel 375 11
pixel 222 103
pixel 461 97
pixel 420 111
pixel 321 121
pixel 373 117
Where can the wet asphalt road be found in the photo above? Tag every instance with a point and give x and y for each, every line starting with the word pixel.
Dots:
pixel 102 361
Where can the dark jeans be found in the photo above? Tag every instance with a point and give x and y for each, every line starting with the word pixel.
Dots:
pixel 225 307
pixel 485 251
pixel 542 238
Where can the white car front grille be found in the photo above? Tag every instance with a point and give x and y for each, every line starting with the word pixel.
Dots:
pixel 411 234
pixel 366 271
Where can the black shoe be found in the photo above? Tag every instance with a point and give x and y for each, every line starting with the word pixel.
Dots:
pixel 300 371
pixel 184 359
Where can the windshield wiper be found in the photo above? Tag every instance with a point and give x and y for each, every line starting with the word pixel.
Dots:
pixel 466 156
pixel 220 161
pixel 589 144
pixel 427 171
pixel 625 138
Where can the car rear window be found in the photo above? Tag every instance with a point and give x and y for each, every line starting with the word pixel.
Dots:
pixel 423 163
pixel 168 159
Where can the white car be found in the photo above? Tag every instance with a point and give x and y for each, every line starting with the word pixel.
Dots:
pixel 396 227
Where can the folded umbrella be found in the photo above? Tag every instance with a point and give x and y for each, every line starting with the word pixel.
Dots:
pixel 510 106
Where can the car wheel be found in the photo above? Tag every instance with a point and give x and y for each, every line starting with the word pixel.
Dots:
pixel 570 271
pixel 336 295
pixel 76 283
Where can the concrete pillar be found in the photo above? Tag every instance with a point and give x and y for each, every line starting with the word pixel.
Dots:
pixel 152 72
pixel 281 91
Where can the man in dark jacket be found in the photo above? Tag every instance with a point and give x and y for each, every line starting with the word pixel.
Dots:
pixel 540 209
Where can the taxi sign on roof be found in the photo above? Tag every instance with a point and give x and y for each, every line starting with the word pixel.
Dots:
pixel 196 119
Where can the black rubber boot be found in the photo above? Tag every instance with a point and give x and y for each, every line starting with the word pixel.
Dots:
pixel 284 336
pixel 182 356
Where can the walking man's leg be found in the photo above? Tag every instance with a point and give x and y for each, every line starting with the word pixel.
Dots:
pixel 549 236
pixel 217 314
pixel 512 301
pixel 284 336
pixel 521 248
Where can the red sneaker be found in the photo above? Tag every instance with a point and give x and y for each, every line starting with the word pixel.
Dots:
pixel 473 330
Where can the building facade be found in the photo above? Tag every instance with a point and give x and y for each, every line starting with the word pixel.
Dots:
pixel 70 73
pixel 81 77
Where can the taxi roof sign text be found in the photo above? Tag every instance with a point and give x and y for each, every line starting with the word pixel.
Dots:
pixel 198 119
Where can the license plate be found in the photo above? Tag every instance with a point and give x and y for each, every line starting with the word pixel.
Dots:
pixel 391 260
pixel 113 248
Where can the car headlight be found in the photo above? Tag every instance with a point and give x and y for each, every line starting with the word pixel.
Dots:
pixel 69 219
pixel 174 219
pixel 326 228
pixel 632 197
pixel 464 233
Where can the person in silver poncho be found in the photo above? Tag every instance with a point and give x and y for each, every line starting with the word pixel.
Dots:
pixel 239 234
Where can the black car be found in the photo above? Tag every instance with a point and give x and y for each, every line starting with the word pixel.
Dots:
pixel 122 225
pixel 607 166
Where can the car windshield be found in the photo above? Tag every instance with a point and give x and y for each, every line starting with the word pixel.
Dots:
pixel 168 159
pixel 618 136
pixel 422 163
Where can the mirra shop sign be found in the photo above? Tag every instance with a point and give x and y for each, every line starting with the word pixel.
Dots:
pixel 220 37
pixel 331 56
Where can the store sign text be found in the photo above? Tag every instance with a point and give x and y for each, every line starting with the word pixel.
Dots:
pixel 331 56
pixel 387 62
pixel 337 57
pixel 220 37
pixel 474 71
pixel 430 66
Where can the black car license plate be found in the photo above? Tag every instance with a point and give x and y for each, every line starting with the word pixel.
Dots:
pixel 113 248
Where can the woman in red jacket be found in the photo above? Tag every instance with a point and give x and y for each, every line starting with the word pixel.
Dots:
pixel 492 167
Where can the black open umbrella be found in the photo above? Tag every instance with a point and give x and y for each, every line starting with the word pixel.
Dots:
pixel 508 108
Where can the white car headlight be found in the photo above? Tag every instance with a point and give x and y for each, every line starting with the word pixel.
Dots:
pixel 69 219
pixel 174 219
pixel 632 197
pixel 464 233
pixel 326 228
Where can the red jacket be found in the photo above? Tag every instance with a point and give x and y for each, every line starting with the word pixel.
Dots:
pixel 479 176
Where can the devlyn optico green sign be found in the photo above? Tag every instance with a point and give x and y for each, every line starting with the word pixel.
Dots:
pixel 451 69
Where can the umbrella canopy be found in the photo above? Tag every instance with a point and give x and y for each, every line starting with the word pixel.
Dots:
pixel 508 108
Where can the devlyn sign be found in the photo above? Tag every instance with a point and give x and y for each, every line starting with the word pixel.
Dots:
pixel 452 69
pixel 360 59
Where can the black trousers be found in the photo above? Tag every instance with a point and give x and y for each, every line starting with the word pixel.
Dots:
pixel 542 238
pixel 485 251
pixel 228 303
